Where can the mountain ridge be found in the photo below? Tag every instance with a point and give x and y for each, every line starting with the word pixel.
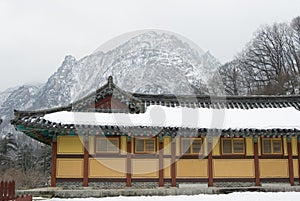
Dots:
pixel 148 63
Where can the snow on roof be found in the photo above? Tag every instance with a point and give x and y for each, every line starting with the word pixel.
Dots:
pixel 162 116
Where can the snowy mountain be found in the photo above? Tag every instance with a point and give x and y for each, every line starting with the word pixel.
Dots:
pixel 21 98
pixel 151 62
pixel 5 94
pixel 148 63
pixel 56 91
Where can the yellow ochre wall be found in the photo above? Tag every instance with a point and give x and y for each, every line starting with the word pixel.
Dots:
pixel 167 145
pixel 167 168
pixel 69 168
pixel 294 146
pixel 285 146
pixel 177 146
pixel 216 146
pixel 73 145
pixel 107 168
pixel 249 146
pixel 273 168
pixel 190 168
pixel 92 145
pixel 185 168
pixel 205 147
pixel 123 145
pixel 295 165
pixel 233 168
pixel 144 168
pixel 69 145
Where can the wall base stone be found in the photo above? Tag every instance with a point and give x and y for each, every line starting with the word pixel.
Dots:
pixel 234 184
pixel 153 185
pixel 69 184
pixel 145 185
pixel 107 185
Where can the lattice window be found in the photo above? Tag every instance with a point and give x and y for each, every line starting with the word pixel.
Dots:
pixel 272 146
pixel 145 145
pixel 233 146
pixel 107 144
pixel 191 145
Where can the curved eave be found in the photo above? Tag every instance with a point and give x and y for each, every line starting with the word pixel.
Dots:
pixel 20 113
pixel 41 135
pixel 46 135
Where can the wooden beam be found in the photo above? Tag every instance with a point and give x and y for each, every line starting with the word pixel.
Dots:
pixel 256 162
pixel 40 137
pixel 53 166
pixel 290 161
pixel 173 163
pixel 210 165
pixel 128 169
pixel 86 162
pixel 161 164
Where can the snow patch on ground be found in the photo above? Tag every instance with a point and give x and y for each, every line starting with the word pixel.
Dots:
pixel 249 196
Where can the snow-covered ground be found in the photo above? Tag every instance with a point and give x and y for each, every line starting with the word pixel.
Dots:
pixel 249 196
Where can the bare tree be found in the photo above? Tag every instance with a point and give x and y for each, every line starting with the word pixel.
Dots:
pixel 295 35
pixel 295 24
pixel 232 80
pixel 269 63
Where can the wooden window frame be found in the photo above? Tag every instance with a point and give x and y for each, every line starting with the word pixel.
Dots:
pixel 272 150
pixel 145 151
pixel 107 138
pixel 183 152
pixel 232 146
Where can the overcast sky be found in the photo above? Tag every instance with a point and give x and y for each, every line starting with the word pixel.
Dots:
pixel 35 35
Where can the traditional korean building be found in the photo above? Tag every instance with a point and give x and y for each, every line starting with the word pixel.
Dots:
pixel 116 139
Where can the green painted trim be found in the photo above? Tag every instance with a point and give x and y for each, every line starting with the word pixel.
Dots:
pixel 50 133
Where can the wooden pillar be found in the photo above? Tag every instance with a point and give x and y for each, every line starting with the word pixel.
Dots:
pixel 298 145
pixel 210 165
pixel 53 166
pixel 256 162
pixel 173 163
pixel 128 169
pixel 290 161
pixel 161 164
pixel 86 162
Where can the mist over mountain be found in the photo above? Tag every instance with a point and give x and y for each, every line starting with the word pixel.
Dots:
pixel 152 62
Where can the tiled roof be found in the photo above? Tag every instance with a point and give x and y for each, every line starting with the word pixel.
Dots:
pixel 33 123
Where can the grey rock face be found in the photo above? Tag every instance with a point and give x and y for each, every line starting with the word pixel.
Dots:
pixel 152 62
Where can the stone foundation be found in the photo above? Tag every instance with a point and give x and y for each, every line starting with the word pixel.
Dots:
pixel 234 184
pixel 154 185
pixel 69 184
pixel 144 185
pixel 107 185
